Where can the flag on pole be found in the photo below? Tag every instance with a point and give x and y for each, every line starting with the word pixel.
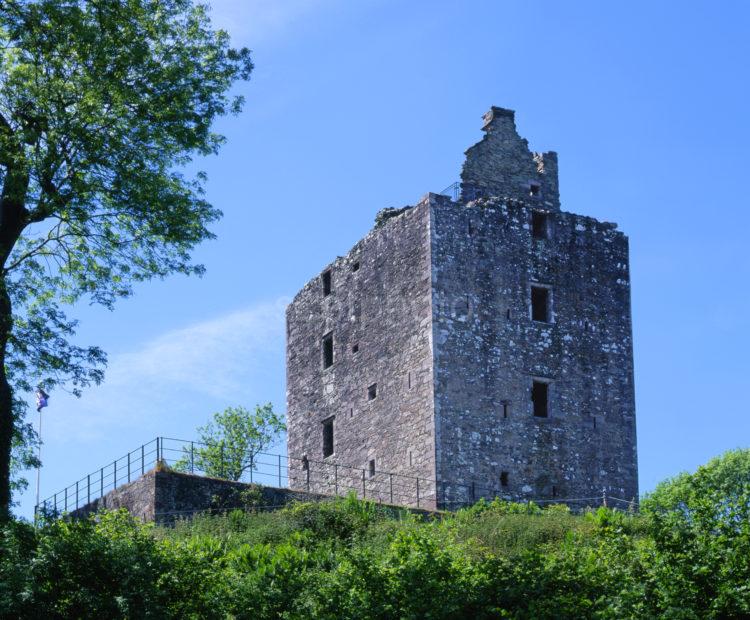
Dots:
pixel 41 399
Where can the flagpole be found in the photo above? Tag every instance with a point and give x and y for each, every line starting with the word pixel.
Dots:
pixel 39 458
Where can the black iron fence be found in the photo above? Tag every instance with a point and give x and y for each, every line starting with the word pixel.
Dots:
pixel 301 474
pixel 453 190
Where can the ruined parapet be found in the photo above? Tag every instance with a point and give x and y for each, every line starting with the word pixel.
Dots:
pixel 501 164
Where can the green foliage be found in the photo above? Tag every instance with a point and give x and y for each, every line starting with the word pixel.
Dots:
pixel 684 557
pixel 102 104
pixel 231 442
pixel 700 524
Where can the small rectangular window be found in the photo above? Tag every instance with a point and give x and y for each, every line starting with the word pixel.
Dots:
pixel 539 225
pixel 506 409
pixel 328 437
pixel 355 266
pixel 326 278
pixel 503 478
pixel 355 348
pixel 540 304
pixel 534 189
pixel 328 350
pixel 372 391
pixel 540 398
pixel 371 468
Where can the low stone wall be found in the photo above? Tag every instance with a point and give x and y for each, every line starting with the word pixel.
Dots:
pixel 164 496
pixel 137 496
pixel 181 495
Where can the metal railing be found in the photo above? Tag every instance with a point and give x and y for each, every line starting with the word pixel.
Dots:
pixel 453 190
pixel 301 474
pixel 97 484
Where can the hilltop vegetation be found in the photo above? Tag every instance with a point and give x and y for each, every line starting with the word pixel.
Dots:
pixel 686 555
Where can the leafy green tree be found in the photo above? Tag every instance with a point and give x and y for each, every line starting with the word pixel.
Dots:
pixel 102 104
pixel 232 441
pixel 700 525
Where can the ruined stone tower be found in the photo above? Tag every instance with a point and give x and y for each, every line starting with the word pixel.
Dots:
pixel 483 344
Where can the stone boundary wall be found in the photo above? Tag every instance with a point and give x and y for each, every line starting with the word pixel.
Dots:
pixel 165 496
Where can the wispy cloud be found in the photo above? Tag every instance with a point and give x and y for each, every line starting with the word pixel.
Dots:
pixel 253 22
pixel 174 381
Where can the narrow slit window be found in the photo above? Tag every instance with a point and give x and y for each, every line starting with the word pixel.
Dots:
pixel 540 398
pixel 371 468
pixel 539 225
pixel 506 409
pixel 326 278
pixel 503 478
pixel 328 350
pixel 554 491
pixel 540 304
pixel 328 437
pixel 372 392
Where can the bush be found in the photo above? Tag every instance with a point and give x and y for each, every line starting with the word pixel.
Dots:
pixel 686 556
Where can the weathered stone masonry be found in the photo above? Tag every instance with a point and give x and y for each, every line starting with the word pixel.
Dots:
pixel 437 303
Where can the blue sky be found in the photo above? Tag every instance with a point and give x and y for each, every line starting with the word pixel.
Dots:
pixel 359 105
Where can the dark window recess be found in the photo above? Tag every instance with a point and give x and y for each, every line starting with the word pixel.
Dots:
pixel 351 413
pixel 355 348
pixel 328 437
pixel 534 189
pixel 506 409
pixel 408 380
pixel 503 478
pixel 540 310
pixel 410 459
pixel 372 391
pixel 554 491
pixel 539 225
pixel 540 398
pixel 371 468
pixel 355 266
pixel 328 351
pixel 326 277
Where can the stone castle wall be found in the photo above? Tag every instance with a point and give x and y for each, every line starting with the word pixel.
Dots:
pixel 501 164
pixel 378 312
pixel 437 298
pixel 488 350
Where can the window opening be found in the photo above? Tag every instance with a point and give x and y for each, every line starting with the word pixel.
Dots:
pixel 503 478
pixel 328 437
pixel 326 277
pixel 372 391
pixel 539 225
pixel 328 350
pixel 540 398
pixel 372 468
pixel 540 304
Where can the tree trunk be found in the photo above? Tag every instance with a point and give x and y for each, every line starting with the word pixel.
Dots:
pixel 12 222
pixel 7 419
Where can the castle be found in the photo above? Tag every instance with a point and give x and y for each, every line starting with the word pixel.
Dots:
pixel 483 344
